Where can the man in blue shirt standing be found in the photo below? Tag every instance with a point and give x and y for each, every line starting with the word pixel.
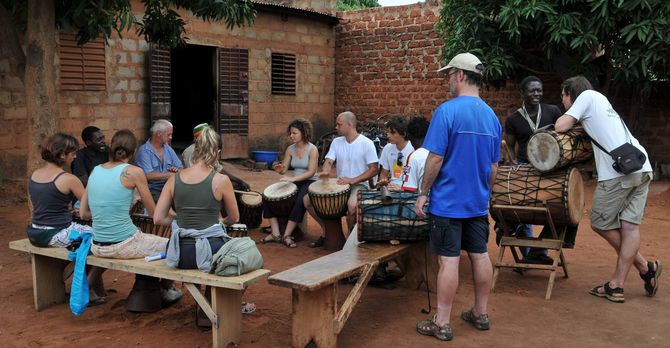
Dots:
pixel 157 158
pixel 464 144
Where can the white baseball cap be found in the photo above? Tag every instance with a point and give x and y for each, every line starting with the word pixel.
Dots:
pixel 465 61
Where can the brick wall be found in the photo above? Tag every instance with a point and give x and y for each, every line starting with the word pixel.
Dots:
pixel 386 60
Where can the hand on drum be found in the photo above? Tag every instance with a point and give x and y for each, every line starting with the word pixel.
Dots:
pixel 287 179
pixel 418 206
pixel 344 180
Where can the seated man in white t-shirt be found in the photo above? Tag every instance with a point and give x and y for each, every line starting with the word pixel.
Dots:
pixel 412 173
pixel 395 153
pixel 356 159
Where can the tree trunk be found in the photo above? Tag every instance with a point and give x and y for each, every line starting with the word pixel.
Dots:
pixel 40 77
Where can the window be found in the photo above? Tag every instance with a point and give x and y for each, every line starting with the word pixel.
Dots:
pixel 82 68
pixel 283 74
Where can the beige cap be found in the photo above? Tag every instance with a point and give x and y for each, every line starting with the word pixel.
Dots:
pixel 465 61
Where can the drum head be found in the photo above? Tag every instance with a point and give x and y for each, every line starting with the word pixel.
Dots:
pixel 280 190
pixel 251 198
pixel 576 196
pixel 327 186
pixel 543 151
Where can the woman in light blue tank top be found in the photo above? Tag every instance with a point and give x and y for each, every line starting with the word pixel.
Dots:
pixel 108 200
pixel 302 157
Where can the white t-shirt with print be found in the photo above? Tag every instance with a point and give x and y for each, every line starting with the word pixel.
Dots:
pixel 352 159
pixel 414 169
pixel 389 161
pixel 603 124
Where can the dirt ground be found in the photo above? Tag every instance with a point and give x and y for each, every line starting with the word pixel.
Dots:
pixel 520 316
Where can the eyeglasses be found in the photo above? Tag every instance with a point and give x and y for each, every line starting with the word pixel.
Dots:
pixel 398 161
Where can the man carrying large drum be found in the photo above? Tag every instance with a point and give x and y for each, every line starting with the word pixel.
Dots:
pixel 464 143
pixel 519 127
pixel 621 195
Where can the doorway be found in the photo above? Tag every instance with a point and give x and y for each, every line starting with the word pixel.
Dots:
pixel 193 98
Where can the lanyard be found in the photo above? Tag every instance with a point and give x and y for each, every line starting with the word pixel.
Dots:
pixel 533 127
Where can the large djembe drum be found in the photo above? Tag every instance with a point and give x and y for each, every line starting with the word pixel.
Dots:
pixel 560 191
pixel 382 220
pixel 280 198
pixel 250 205
pixel 549 150
pixel 329 200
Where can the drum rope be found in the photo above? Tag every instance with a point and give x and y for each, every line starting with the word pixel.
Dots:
pixel 509 181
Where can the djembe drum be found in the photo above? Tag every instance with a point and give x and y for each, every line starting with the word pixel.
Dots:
pixel 280 198
pixel 250 205
pixel 146 224
pixel 381 220
pixel 561 192
pixel 549 150
pixel 329 200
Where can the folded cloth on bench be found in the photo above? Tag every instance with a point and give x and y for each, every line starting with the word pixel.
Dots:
pixel 138 246
pixel 203 250
pixel 238 256
pixel 79 295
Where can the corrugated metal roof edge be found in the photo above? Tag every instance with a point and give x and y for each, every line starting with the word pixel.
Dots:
pixel 283 9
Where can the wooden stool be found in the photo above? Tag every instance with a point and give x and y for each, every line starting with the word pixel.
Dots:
pixel 512 242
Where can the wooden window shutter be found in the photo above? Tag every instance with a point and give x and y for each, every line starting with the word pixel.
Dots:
pixel 283 73
pixel 160 80
pixel 233 91
pixel 82 68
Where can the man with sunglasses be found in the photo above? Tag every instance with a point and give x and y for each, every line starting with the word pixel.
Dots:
pixel 464 143
pixel 395 153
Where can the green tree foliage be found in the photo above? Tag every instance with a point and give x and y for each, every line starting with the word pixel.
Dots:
pixel 161 24
pixel 624 42
pixel 348 5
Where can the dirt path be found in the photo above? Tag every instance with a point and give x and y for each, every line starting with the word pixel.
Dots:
pixel 520 317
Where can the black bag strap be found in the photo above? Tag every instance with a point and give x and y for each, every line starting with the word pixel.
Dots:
pixel 625 129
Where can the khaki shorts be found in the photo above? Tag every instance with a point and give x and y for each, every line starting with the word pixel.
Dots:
pixel 138 246
pixel 622 198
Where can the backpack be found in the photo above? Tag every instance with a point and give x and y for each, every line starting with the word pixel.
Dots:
pixel 236 257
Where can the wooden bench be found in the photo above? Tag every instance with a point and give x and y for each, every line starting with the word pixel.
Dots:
pixel 224 310
pixel 314 289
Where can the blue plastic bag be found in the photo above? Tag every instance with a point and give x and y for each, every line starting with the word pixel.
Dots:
pixel 79 296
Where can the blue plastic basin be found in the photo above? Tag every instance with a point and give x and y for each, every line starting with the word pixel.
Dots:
pixel 264 156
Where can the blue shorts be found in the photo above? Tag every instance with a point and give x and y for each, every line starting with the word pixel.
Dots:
pixel 448 236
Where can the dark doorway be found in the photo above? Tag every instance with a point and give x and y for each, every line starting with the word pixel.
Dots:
pixel 193 91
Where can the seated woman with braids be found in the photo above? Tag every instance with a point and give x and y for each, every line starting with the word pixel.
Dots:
pixel 196 193
pixel 108 199
pixel 51 190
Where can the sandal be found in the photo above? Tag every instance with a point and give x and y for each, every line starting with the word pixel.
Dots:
pixel 480 322
pixel 248 307
pixel 271 238
pixel 430 328
pixel 318 242
pixel 614 295
pixel 289 242
pixel 649 287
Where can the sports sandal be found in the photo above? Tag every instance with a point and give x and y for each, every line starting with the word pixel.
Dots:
pixel 614 295
pixel 271 238
pixel 318 242
pixel 430 328
pixel 248 307
pixel 289 242
pixel 649 287
pixel 480 322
